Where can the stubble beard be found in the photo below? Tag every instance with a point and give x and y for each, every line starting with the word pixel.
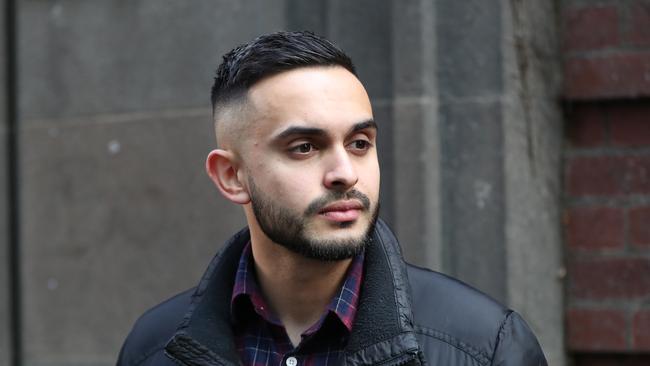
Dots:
pixel 290 229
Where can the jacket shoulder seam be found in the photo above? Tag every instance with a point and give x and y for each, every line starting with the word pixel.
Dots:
pixel 468 349
pixel 500 332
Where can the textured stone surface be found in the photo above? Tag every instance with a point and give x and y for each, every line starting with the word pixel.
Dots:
pixel 532 123
pixel 117 217
pixel 383 114
pixel 308 15
pixel 359 28
pixel 416 139
pixel 417 197
pixel 469 83
pixel 469 52
pixel 500 140
pixel 117 212
pixel 5 334
pixel 473 198
pixel 89 57
pixel 414 49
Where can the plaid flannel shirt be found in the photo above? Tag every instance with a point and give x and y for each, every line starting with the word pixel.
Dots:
pixel 260 337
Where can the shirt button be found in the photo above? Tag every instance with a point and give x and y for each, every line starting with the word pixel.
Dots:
pixel 292 361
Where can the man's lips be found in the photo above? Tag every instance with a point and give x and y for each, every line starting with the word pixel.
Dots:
pixel 342 211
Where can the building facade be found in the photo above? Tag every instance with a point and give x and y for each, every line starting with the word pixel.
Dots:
pixel 514 144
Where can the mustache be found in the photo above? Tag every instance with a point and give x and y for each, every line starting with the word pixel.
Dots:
pixel 318 204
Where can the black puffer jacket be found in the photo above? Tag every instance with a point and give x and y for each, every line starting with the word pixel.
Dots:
pixel 406 316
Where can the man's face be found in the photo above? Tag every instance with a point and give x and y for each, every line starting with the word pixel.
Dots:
pixel 310 161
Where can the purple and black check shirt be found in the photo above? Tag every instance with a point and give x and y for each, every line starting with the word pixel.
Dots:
pixel 260 337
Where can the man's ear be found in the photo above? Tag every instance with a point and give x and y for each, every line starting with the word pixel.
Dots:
pixel 222 167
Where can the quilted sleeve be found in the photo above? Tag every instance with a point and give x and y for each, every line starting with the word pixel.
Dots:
pixel 517 345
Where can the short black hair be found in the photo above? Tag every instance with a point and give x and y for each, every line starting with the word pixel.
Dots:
pixel 271 54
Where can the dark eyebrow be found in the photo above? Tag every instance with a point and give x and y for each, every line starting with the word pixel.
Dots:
pixel 302 131
pixel 313 131
pixel 363 125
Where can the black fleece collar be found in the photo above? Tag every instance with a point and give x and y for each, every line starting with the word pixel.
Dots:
pixel 382 330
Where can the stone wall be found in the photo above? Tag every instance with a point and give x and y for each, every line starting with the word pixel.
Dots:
pixel 5 281
pixel 117 212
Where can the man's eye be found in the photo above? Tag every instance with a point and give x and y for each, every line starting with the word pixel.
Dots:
pixel 303 148
pixel 360 145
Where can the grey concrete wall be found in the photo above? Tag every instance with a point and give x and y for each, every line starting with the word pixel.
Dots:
pixel 532 151
pixel 471 141
pixel 118 213
pixel 5 293
pixel 415 139
pixel 477 140
pixel 5 333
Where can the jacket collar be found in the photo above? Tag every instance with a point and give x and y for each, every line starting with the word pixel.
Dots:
pixel 382 328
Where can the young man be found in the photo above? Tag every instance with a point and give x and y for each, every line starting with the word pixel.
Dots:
pixel 316 278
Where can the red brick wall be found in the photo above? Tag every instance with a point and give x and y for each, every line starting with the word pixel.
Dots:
pixel 607 180
pixel 607 226
pixel 606 48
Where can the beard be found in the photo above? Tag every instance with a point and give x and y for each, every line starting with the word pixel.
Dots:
pixel 290 229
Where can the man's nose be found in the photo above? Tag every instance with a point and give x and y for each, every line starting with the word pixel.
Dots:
pixel 340 173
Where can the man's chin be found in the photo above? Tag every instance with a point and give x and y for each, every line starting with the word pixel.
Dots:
pixel 334 249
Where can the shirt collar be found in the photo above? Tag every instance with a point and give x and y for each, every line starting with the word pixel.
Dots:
pixel 343 305
pixel 246 287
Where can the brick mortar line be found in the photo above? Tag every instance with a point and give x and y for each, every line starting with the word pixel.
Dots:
pixel 604 53
pixel 624 24
pixel 598 254
pixel 627 244
pixel 629 329
pixel 625 201
pixel 593 3
pixel 628 305
pixel 607 152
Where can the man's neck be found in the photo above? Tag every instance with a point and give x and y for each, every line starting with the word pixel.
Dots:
pixel 297 288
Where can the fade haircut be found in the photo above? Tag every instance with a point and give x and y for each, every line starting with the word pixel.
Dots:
pixel 268 55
